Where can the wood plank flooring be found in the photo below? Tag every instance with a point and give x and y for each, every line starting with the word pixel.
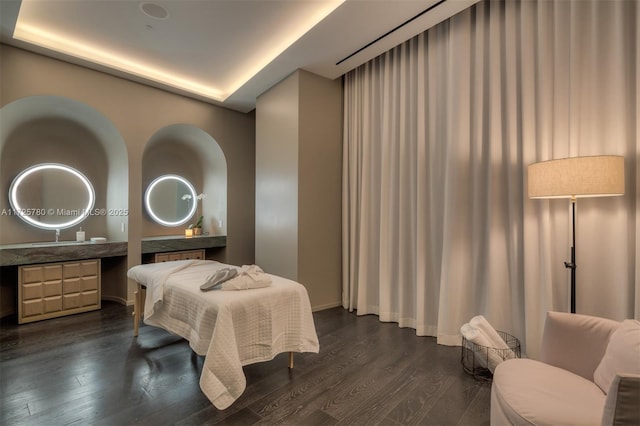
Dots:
pixel 88 369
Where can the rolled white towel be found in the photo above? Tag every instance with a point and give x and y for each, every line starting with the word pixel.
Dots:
pixel 495 340
pixel 475 335
pixel 487 357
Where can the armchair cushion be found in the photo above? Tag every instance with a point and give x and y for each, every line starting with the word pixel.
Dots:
pixel 576 342
pixel 529 392
pixel 622 354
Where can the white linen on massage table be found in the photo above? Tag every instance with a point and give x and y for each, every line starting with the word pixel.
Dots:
pixel 232 328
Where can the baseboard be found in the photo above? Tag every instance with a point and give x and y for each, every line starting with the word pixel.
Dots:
pixel 326 306
pixel 7 312
pixel 116 299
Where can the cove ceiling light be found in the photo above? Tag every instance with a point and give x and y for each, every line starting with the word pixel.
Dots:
pixel 33 27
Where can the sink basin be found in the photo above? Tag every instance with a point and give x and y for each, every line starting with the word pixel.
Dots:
pixel 59 243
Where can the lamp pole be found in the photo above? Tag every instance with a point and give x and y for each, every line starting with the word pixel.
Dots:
pixel 572 264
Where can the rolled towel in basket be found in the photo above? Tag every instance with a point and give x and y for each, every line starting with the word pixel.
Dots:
pixel 486 355
pixel 473 335
pixel 481 323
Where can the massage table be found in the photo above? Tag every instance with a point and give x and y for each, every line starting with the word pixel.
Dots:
pixel 230 328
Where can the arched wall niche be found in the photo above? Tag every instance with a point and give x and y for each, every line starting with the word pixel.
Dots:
pixel 54 129
pixel 192 153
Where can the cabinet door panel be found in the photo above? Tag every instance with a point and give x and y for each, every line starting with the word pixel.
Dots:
pixel 89 283
pixel 51 272
pixel 32 274
pixel 70 301
pixel 52 304
pixel 32 307
pixel 52 288
pixel 88 298
pixel 71 285
pixel 71 270
pixel 89 268
pixel 32 291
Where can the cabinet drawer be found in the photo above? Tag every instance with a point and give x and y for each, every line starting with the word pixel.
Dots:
pixel 196 254
pixel 36 274
pixel 179 255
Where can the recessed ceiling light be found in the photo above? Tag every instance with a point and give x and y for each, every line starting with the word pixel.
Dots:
pixel 154 10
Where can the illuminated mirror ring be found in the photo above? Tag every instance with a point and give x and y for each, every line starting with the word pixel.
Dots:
pixel 48 210
pixel 170 200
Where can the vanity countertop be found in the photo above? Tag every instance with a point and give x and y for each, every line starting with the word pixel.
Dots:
pixel 167 243
pixel 45 252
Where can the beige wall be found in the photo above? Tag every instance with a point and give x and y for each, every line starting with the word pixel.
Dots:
pixel 320 189
pixel 138 111
pixel 298 188
pixel 51 140
pixel 276 242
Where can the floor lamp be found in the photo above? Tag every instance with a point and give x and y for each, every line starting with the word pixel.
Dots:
pixel 573 178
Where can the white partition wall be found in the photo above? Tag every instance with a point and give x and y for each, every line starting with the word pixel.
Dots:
pixel 277 179
pixel 298 184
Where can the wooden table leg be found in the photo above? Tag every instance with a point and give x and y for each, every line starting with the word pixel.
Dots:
pixel 290 360
pixel 138 308
pixel 136 311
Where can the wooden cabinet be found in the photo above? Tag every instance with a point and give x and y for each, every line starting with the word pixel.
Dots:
pixel 179 255
pixel 55 289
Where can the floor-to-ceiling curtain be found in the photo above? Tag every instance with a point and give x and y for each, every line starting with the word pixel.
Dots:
pixel 438 133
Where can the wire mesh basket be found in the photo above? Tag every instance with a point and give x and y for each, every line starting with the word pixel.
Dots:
pixel 479 361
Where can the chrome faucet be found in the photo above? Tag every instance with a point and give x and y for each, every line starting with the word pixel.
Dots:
pixel 57 235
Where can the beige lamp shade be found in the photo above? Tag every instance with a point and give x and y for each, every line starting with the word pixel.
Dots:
pixel 577 177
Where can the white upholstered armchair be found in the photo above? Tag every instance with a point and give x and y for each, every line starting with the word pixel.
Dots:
pixel 588 374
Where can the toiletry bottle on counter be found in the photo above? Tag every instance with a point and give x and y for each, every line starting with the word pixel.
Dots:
pixel 80 235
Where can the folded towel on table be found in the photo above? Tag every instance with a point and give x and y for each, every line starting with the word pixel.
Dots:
pixel 248 277
pixel 216 279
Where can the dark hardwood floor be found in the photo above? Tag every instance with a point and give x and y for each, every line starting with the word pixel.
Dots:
pixel 88 369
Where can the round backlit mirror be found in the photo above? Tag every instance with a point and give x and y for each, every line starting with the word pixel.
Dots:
pixel 170 200
pixel 51 196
